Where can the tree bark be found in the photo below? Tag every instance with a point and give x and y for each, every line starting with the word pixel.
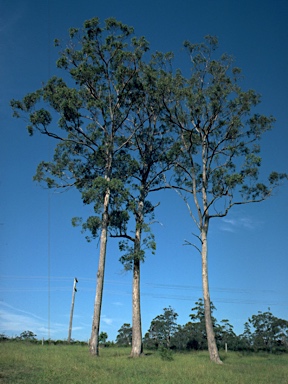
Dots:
pixel 212 346
pixel 137 345
pixel 94 339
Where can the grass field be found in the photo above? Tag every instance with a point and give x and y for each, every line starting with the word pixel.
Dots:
pixel 32 363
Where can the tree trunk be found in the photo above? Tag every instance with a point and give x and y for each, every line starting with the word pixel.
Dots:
pixel 137 345
pixel 212 347
pixel 94 340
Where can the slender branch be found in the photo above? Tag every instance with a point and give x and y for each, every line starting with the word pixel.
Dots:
pixel 123 236
pixel 186 242
pixel 239 203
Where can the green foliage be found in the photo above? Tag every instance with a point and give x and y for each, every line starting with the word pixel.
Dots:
pixel 152 149
pixel 162 329
pixel 270 333
pixel 263 332
pixel 218 164
pixel 225 335
pixel 220 134
pixel 109 130
pixel 166 354
pixel 123 124
pixel 193 334
pixel 131 253
pixel 93 108
pixel 27 336
pixel 103 338
pixel 124 337
pixel 165 333
pixel 3 337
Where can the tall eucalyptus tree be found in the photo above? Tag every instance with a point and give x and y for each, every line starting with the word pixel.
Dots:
pixel 93 107
pixel 153 152
pixel 219 134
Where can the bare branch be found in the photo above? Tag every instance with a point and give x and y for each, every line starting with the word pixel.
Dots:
pixel 186 242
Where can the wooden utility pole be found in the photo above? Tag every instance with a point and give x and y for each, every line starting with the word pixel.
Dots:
pixel 72 310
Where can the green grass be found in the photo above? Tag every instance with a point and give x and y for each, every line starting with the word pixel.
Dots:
pixel 31 363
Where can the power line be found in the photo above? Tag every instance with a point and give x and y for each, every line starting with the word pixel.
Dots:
pixel 190 290
pixel 150 285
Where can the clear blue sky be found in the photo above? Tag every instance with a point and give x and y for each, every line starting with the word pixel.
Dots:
pixel 248 254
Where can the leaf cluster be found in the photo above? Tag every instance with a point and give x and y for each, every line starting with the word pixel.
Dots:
pixel 263 332
pixel 123 125
pixel 218 133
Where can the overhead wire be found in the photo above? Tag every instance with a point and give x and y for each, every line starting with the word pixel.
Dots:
pixel 189 290
pixel 150 284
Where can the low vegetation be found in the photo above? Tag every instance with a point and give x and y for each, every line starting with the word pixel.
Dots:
pixel 26 362
pixel 263 332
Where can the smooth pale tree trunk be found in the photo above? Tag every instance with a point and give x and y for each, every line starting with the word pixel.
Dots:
pixel 212 346
pixel 137 345
pixel 94 339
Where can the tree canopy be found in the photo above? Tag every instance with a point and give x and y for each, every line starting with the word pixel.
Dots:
pixel 127 126
pixel 263 332
pixel 219 135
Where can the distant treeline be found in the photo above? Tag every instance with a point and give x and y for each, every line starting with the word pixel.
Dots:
pixel 262 332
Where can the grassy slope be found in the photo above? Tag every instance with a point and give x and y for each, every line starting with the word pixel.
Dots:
pixel 30 363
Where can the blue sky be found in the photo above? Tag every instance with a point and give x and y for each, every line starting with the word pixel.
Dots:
pixel 248 249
